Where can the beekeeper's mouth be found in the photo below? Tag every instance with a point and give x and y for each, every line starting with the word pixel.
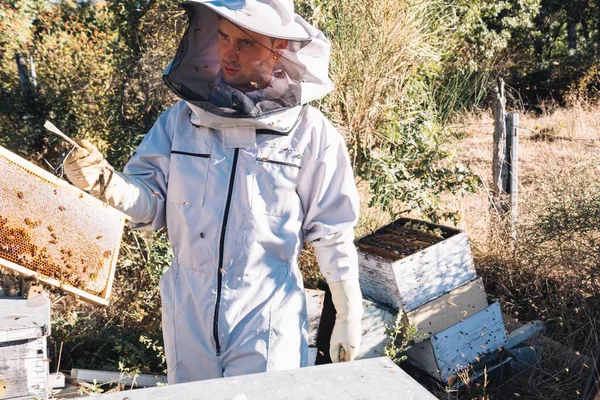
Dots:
pixel 230 70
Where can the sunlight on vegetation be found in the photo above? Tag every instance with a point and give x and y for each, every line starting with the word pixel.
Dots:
pixel 413 81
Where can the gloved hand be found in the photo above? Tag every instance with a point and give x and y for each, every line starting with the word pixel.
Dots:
pixel 346 335
pixel 87 169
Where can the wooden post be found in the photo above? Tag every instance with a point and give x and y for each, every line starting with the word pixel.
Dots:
pixel 32 72
pixel 23 74
pixel 499 170
pixel 512 151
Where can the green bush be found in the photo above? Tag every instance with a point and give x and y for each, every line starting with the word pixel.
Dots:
pixel 387 103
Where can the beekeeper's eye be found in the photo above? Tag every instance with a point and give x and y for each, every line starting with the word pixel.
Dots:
pixel 223 36
pixel 243 44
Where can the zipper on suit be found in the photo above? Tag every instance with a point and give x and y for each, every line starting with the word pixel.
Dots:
pixel 266 160
pixel 221 249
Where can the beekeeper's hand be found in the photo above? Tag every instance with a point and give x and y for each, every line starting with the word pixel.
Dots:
pixel 87 169
pixel 345 338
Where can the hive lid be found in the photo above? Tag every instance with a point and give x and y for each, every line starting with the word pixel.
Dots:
pixel 22 319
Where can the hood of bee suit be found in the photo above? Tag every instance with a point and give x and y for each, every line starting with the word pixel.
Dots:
pixel 300 73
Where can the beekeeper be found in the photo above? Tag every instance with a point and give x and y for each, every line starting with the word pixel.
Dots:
pixel 242 172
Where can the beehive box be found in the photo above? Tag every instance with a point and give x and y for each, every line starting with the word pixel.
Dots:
pixel 23 350
pixel 409 262
pixel 460 345
pixel 52 230
pixel 448 309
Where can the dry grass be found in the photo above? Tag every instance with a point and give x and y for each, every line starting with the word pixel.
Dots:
pixel 550 280
pixel 574 142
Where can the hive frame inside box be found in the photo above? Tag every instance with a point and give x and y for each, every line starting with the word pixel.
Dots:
pixel 101 299
pixel 411 281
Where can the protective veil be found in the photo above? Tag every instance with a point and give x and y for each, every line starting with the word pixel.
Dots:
pixel 241 178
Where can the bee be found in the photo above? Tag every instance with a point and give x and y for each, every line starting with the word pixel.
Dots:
pixel 20 195
pixel 53 241
pixel 50 228
pixel 61 208
pixel 107 253
pixel 98 237
pixel 54 236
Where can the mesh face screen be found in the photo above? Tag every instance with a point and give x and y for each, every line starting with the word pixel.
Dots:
pixel 52 228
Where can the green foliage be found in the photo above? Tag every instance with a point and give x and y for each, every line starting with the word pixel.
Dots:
pixel 401 336
pixel 413 175
pixel 393 108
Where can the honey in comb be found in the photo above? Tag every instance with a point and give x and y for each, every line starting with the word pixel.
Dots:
pixel 16 246
pixel 49 227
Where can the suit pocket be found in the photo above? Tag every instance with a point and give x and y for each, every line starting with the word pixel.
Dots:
pixel 275 181
pixel 189 169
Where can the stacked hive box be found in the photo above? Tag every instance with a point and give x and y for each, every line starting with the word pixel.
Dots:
pixel 24 326
pixel 426 272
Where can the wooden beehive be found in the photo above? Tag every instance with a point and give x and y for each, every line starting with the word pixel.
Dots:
pixel 24 326
pixel 409 262
pixel 374 379
pixel 321 319
pixel 460 345
pixel 448 309
pixel 426 272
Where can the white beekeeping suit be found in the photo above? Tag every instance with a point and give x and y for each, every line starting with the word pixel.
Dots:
pixel 241 178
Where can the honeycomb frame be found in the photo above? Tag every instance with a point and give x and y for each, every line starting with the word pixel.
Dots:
pixel 51 230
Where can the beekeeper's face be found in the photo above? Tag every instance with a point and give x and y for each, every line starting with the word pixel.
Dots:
pixel 247 58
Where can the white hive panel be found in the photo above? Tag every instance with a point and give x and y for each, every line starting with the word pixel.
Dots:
pixel 406 267
pixel 462 344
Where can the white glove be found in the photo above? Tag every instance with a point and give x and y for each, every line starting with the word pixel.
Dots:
pixel 345 338
pixel 87 169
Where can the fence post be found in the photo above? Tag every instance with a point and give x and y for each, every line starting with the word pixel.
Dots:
pixel 499 170
pixel 32 72
pixel 512 152
pixel 23 75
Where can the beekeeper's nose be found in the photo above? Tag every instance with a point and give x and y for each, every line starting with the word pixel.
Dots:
pixel 231 53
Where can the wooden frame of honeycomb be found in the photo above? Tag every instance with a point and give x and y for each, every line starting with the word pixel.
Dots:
pixel 55 232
